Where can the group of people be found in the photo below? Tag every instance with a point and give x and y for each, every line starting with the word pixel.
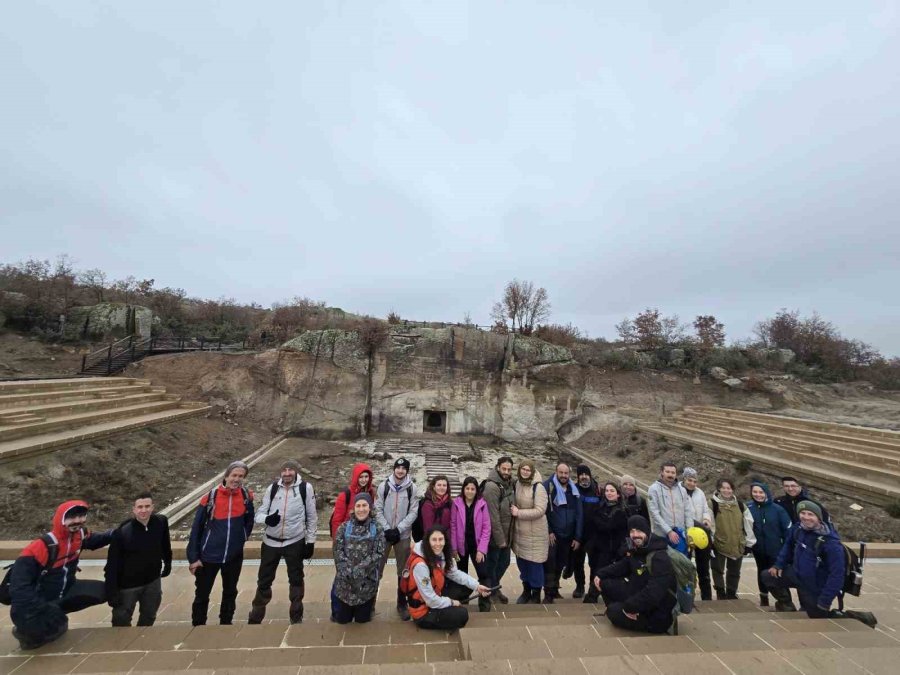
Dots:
pixel 552 526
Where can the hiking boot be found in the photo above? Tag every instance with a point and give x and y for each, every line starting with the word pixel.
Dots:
pixel 784 606
pixel 763 599
pixel 866 617
pixel 578 592
pixel 499 597
pixel 535 596
pixel 484 604
pixel 403 611
pixel 567 572
pixel 731 595
pixel 591 597
pixel 526 595
pixel 720 594
pixel 549 596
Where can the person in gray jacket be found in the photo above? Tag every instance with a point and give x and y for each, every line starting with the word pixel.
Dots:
pixel 671 510
pixel 289 513
pixel 396 508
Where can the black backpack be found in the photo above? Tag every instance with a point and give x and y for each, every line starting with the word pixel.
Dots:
pixel 346 495
pixel 853 569
pixel 52 553
pixel 274 490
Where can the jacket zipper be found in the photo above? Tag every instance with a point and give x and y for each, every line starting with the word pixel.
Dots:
pixel 227 527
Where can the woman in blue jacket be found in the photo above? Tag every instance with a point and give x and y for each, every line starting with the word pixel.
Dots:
pixel 771 524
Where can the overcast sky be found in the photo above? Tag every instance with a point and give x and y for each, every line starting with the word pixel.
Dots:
pixel 415 156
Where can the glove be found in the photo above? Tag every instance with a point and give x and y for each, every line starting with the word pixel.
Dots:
pixel 308 550
pixel 273 519
pixel 113 598
pixel 392 536
pixel 166 570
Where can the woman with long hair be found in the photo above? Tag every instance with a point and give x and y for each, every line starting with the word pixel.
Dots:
pixel 531 537
pixel 470 533
pixel 609 521
pixel 434 586
pixel 436 504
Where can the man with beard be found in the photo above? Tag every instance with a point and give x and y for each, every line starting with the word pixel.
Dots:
pixel 671 509
pixel 590 502
pixel 499 494
pixel 43 587
pixel 396 508
pixel 639 592
pixel 565 522
pixel 289 513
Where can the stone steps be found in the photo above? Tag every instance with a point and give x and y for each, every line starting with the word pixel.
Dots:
pixel 88 393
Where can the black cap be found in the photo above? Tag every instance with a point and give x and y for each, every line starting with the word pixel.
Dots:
pixel 583 469
pixel 402 462
pixel 639 523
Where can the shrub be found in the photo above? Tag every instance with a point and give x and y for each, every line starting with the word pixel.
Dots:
pixel 687 447
pixel 731 359
pixel 558 334
pixel 393 318
pixel 743 466
pixel 624 452
pixel 893 509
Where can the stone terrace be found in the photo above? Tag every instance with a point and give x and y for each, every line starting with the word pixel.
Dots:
pixel 720 637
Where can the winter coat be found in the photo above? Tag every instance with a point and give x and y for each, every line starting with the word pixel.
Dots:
pixel 531 538
pixel 298 518
pixel 343 505
pixel 397 505
pixel 610 523
pixel 702 512
pixel 789 504
pixel 670 507
pixel 636 505
pixel 357 560
pixel 429 585
pixel 565 521
pixel 138 554
pixel 481 521
pixel 590 502
pixel 499 494
pixel 826 578
pixel 436 513
pixel 651 591
pixel 34 596
pixel 732 527
pixel 220 537
pixel 771 525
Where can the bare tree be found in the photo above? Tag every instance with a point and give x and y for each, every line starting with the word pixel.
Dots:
pixel 649 330
pixel 95 281
pixel 522 305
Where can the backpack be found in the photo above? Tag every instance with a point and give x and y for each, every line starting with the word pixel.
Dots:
pixel 348 531
pixel 715 507
pixel 409 491
pixel 52 554
pixel 685 579
pixel 853 569
pixel 418 527
pixel 346 495
pixel 274 490
pixel 211 503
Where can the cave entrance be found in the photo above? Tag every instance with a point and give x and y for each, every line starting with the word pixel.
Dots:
pixel 434 421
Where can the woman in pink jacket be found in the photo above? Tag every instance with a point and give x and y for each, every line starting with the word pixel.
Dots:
pixel 470 533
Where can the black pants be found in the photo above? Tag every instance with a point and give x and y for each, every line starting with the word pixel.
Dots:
pixel 726 581
pixel 449 618
pixel 763 563
pixel 615 592
pixel 780 588
pixel 269 557
pixel 148 596
pixel 557 559
pixel 48 625
pixel 497 563
pixel 587 551
pixel 344 613
pixel 481 571
pixel 701 559
pixel 204 578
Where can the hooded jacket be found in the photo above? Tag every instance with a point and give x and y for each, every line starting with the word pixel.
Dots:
pixel 669 507
pixel 298 518
pixel 481 521
pixel 702 512
pixel 397 505
pixel 343 505
pixel 499 495
pixel 565 521
pixel 531 540
pixel 34 595
pixel 821 571
pixel 651 591
pixel 220 538
pixel 732 527
pixel 771 524
pixel 357 555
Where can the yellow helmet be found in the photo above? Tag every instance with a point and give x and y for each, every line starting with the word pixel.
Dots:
pixel 697 537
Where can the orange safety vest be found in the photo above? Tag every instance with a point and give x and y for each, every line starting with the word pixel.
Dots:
pixel 408 585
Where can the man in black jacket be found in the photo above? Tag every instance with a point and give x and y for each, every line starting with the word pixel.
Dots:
pixel 640 596
pixel 794 493
pixel 140 554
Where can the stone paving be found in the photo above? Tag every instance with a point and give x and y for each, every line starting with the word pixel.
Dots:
pixel 720 637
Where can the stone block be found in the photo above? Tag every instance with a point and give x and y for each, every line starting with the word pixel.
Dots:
pixel 109 639
pixel 545 667
pixel 331 656
pixel 695 664
pixel 754 662
pixel 372 633
pixel 258 636
pixel 486 651
pixel 10 663
pixel 617 665
pixel 730 642
pixel 871 638
pixel 166 661
pixel 211 637
pixel 67 643
pixel 273 657
pixel 51 665
pixel 319 635
pixel 822 662
pixel 659 644
pixel 395 654
pixel 786 640
pixel 120 662
pixel 472 668
pixel 443 651
pixel 217 659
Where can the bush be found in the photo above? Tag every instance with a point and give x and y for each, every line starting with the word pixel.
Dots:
pixel 743 466
pixel 893 509
pixel 557 334
pixel 393 318
pixel 731 359
pixel 687 447
pixel 623 453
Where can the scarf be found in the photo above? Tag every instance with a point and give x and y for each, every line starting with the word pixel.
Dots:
pixel 559 494
pixel 821 529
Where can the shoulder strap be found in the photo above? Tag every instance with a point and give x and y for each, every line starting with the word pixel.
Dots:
pixel 211 502
pixel 715 508
pixel 647 561
pixel 409 494
pixel 741 504
pixel 52 549
pixel 303 492
pixel 387 489
pixel 272 492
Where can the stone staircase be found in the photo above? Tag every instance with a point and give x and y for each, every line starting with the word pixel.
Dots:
pixel 732 636
pixel 859 462
pixel 39 416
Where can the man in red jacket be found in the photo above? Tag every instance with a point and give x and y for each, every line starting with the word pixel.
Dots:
pixel 42 583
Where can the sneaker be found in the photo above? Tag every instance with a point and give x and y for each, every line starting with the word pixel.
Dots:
pixel 403 611
pixel 578 592
pixel 866 617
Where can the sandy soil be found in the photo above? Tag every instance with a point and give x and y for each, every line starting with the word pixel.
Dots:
pixel 640 454
pixel 25 356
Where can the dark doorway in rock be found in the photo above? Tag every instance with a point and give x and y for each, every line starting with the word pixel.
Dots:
pixel 434 421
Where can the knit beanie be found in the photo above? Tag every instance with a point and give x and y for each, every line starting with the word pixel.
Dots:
pixel 583 470
pixel 237 464
pixel 402 462
pixel 291 464
pixel 807 505
pixel 689 472
pixel 363 496
pixel 639 523
pixel 627 479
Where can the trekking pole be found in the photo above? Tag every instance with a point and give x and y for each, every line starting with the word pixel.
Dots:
pixel 476 594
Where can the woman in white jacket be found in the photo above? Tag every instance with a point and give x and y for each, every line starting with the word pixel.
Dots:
pixel 703 517
pixel 732 539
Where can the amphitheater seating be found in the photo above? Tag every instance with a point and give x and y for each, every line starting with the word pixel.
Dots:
pixel 38 416
pixel 860 462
